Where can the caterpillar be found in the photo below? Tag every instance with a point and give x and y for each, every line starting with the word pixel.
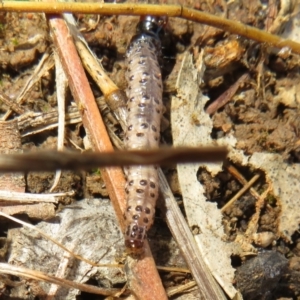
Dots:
pixel 144 112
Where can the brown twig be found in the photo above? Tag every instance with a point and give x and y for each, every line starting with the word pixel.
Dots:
pixel 54 160
pixel 226 96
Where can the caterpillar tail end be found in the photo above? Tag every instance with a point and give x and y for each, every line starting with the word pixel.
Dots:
pixel 135 237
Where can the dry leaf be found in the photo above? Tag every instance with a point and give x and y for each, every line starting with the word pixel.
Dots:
pixel 191 126
pixel 89 229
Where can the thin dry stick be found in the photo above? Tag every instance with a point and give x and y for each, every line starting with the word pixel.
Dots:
pixel 226 96
pixel 234 172
pixel 28 273
pixel 173 269
pixel 113 177
pixel 240 193
pixel 111 92
pixel 34 122
pixel 181 288
pixel 8 196
pixel 60 273
pixel 154 10
pixel 11 104
pixel 253 224
pixel 61 88
pixel 45 64
pixel 53 160
pixel 208 287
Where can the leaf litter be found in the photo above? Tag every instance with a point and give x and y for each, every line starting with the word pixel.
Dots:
pixel 192 126
pixel 259 124
pixel 89 229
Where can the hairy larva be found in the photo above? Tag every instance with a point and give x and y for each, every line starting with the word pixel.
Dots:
pixel 144 108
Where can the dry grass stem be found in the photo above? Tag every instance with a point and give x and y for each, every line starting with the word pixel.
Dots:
pixel 234 172
pixel 181 288
pixel 240 193
pixel 27 273
pixel 61 89
pixel 8 196
pixel 154 10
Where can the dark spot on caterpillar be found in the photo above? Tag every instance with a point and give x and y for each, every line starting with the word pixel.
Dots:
pixel 140 237
pixel 140 134
pixel 139 208
pixel 141 230
pixel 153 128
pixel 143 182
pixel 99 73
pixel 128 230
pixel 152 195
pixel 131 77
pixel 134 228
pixel 139 191
pixel 145 97
pixel 143 81
pixel 156 138
pixel 127 191
pixel 130 61
pixel 130 182
pixel 141 105
pixel 152 184
pixel 133 234
pixel 129 208
pixel 156 100
pixel 144 125
pixel 157 76
pixel 127 138
pixel 145 73
pixel 135 217
pixel 147 210
pixel 129 109
pixel 142 62
pixel 158 111
pixel 143 56
pixel 131 99
pixel 146 220
pixel 129 128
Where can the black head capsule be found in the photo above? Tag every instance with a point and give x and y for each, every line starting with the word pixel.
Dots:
pixel 151 25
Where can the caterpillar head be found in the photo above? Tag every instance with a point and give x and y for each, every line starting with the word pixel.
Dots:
pixel 151 25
